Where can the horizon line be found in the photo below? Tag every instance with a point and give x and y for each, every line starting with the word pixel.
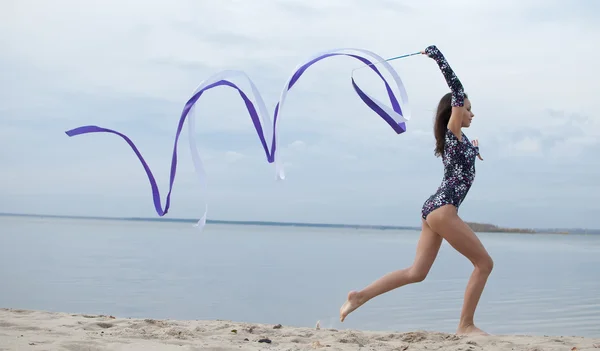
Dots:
pixel 215 221
pixel 272 223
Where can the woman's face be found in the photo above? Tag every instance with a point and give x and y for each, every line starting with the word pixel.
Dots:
pixel 468 115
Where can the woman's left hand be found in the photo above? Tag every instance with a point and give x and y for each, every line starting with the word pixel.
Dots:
pixel 475 143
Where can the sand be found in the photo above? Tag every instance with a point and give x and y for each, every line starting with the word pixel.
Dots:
pixel 39 330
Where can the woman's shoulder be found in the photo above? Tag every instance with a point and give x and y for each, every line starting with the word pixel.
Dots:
pixel 452 137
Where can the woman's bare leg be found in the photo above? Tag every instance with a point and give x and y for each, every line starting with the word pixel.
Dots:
pixel 459 235
pixel 427 250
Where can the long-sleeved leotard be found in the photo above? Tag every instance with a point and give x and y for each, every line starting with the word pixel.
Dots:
pixel 459 155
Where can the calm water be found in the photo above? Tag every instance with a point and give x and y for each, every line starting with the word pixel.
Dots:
pixel 542 284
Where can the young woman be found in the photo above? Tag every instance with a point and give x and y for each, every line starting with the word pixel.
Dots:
pixel 439 214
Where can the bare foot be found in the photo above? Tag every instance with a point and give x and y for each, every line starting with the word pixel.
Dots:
pixel 353 302
pixel 470 330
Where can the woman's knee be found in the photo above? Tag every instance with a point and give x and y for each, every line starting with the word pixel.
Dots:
pixel 417 275
pixel 485 265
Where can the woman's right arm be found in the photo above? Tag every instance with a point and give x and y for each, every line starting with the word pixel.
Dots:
pixel 458 93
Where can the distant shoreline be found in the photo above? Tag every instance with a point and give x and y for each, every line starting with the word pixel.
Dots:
pixel 477 227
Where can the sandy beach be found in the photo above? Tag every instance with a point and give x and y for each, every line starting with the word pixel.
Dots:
pixel 40 330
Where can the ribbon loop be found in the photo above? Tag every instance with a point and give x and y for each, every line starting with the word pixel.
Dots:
pixel 395 116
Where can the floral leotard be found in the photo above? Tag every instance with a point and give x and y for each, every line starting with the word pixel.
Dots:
pixel 459 173
pixel 459 156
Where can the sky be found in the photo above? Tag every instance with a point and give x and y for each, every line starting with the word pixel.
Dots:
pixel 529 68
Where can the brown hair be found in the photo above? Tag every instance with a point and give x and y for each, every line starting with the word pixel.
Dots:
pixel 442 117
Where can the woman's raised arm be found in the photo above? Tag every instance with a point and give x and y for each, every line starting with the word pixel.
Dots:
pixel 458 93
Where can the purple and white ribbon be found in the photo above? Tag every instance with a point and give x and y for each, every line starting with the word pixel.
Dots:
pixel 395 116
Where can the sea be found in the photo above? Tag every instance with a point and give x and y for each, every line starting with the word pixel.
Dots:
pixel 542 284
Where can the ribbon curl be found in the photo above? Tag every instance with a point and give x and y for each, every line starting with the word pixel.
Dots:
pixel 396 116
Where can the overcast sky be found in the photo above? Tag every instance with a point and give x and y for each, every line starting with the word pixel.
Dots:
pixel 530 68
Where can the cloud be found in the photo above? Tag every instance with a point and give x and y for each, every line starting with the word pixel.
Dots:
pixel 131 65
pixel 233 156
pixel 526 146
